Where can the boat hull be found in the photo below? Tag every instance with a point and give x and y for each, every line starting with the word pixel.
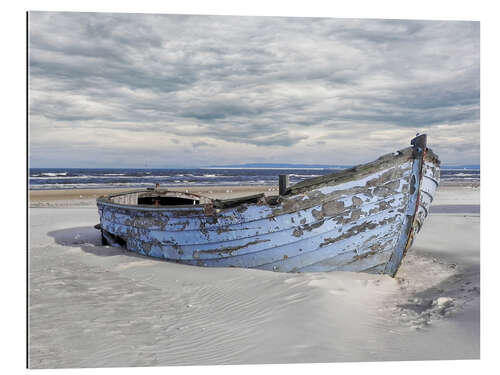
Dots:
pixel 364 219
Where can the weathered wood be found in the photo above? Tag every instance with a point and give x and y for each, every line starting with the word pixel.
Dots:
pixel 353 173
pixel 284 183
pixel 419 144
pixel 225 203
pixel 415 211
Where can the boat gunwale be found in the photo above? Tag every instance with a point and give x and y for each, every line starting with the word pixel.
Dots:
pixel 356 171
pixel 106 200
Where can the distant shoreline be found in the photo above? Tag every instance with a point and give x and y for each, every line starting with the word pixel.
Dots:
pixel 278 168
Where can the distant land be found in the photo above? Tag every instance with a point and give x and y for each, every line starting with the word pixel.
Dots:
pixel 311 166
pixel 276 166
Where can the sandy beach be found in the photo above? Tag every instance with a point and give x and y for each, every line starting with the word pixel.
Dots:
pixel 97 306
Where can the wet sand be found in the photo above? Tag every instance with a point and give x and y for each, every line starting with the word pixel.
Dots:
pixel 95 306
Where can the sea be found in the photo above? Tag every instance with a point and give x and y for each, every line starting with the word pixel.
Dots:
pixel 85 178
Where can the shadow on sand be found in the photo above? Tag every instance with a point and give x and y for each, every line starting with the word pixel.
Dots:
pixel 89 240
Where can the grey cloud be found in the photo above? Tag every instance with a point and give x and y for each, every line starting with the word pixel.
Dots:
pixel 251 81
pixel 201 144
pixel 214 111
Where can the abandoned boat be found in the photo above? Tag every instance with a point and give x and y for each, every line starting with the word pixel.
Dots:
pixel 361 219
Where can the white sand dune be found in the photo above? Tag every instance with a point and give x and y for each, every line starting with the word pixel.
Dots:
pixel 94 306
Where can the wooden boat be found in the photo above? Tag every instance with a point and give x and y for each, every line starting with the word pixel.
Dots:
pixel 361 219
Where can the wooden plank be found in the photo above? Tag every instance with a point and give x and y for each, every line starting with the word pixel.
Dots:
pixel 296 223
pixel 281 244
pixel 354 173
pixel 225 203
pixel 284 183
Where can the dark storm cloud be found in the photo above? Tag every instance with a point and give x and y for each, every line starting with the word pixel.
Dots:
pixel 261 82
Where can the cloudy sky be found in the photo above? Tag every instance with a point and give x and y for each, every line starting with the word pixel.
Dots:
pixel 129 90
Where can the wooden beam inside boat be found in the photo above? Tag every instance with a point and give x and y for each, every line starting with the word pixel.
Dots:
pixel 284 183
pixel 225 203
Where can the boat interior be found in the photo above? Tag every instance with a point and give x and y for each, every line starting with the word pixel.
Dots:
pixel 157 198
pixel 168 198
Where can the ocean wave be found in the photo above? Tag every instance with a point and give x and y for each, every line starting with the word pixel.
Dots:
pixel 305 175
pixel 461 179
pixel 90 185
pixel 35 177
pixel 135 178
pixel 110 176
pixel 50 174
pixel 465 175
